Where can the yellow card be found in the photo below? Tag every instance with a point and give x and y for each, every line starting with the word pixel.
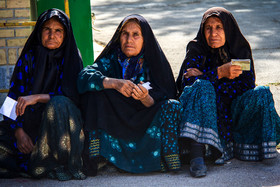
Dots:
pixel 244 63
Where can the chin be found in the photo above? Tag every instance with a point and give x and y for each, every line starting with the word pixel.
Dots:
pixel 129 54
pixel 215 46
pixel 52 47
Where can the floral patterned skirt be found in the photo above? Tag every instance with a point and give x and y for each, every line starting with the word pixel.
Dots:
pixel 58 149
pixel 156 150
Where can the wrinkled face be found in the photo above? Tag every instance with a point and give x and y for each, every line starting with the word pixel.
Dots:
pixel 214 32
pixel 52 34
pixel 131 39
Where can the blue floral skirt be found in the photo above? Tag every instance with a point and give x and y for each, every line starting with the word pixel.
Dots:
pixel 156 150
pixel 255 122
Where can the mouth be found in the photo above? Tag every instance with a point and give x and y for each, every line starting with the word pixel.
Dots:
pixel 129 47
pixel 214 40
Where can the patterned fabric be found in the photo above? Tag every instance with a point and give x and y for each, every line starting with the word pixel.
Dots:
pixel 21 85
pixel 12 163
pixel 256 125
pixel 226 89
pixel 45 71
pixel 199 119
pixel 207 60
pixel 58 148
pixel 255 122
pixel 156 150
pixel 60 142
pixel 131 66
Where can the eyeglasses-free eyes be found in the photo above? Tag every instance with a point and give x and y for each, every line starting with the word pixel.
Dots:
pixel 56 32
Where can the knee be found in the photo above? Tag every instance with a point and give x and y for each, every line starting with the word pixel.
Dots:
pixel 201 87
pixel 60 101
pixel 262 96
pixel 262 92
pixel 172 105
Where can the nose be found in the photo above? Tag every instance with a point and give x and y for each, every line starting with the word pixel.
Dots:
pixel 129 38
pixel 213 32
pixel 51 34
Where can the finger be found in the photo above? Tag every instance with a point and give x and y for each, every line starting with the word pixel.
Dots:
pixel 136 92
pixel 23 149
pixel 22 109
pixel 134 96
pixel 18 107
pixel 142 88
pixel 197 71
pixel 30 145
pixel 236 68
pixel 130 84
pixel 126 93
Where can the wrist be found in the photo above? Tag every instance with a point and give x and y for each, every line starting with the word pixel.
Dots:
pixel 144 98
pixel 18 132
pixel 219 72
pixel 109 83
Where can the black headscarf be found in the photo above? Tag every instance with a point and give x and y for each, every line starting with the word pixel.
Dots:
pixel 125 117
pixel 236 46
pixel 159 66
pixel 46 60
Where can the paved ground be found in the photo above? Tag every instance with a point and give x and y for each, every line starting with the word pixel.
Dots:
pixel 175 22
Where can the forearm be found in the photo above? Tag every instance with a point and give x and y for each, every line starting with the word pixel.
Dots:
pixel 110 83
pixel 42 98
pixel 148 101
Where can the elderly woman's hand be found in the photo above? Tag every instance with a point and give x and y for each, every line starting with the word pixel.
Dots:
pixel 142 94
pixel 25 101
pixel 24 142
pixel 125 87
pixel 192 72
pixel 229 71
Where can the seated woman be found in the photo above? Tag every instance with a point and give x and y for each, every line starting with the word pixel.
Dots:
pixel 46 139
pixel 133 127
pixel 222 107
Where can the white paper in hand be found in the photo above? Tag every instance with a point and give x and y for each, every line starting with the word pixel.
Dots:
pixel 147 85
pixel 8 108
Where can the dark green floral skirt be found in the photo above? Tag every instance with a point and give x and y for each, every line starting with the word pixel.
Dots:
pixel 58 149
pixel 156 150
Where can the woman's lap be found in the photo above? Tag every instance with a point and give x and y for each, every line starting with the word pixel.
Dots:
pixel 256 124
pixel 59 116
pixel 253 115
pixel 60 140
pixel 199 118
pixel 145 153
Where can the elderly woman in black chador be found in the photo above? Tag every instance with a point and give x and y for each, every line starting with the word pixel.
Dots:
pixel 46 139
pixel 222 107
pixel 133 127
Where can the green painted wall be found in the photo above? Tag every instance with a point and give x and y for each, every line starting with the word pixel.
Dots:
pixel 80 16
